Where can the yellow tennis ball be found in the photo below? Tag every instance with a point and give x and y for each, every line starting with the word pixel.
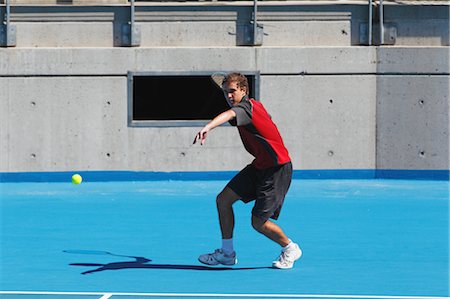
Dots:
pixel 77 179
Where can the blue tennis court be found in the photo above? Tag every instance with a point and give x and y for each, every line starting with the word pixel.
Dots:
pixel 361 239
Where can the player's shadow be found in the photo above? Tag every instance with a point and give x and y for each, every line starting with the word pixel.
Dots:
pixel 143 263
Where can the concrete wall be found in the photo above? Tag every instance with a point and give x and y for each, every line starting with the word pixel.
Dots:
pixel 339 105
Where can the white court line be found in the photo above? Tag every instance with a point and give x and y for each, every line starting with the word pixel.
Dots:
pixel 323 296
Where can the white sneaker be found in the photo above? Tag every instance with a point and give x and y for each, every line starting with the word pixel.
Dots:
pixel 287 258
pixel 218 257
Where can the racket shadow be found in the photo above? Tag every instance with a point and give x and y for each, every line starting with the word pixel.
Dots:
pixel 144 263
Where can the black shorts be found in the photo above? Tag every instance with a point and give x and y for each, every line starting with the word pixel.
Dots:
pixel 267 187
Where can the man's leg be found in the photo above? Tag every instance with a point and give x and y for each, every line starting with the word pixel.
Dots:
pixel 225 255
pixel 270 230
pixel 290 251
pixel 225 201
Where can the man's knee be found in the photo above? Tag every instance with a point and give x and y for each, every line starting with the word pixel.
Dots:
pixel 258 223
pixel 226 198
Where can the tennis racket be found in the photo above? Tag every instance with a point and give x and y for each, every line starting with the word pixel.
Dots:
pixel 218 78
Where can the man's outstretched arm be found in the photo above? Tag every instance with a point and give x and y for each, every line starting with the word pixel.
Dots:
pixel 217 121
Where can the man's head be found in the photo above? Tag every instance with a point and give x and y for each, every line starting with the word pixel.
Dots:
pixel 235 87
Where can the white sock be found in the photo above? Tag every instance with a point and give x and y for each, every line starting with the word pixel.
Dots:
pixel 288 245
pixel 227 246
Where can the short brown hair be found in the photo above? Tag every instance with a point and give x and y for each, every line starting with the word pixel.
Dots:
pixel 240 80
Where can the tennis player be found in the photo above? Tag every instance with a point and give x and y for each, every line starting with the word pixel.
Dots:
pixel 266 180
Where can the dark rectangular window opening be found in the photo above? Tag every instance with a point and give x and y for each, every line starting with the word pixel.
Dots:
pixel 177 99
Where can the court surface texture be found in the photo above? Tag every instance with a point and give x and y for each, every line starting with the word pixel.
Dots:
pixel 360 239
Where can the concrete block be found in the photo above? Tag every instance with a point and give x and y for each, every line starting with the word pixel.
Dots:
pixel 420 25
pixel 188 34
pixel 328 122
pixel 413 60
pixel 307 33
pixel 171 149
pixel 65 34
pixel 413 122
pixel 57 124
pixel 430 33
pixel 317 60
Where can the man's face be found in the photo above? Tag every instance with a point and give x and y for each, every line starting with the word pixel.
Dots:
pixel 233 93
